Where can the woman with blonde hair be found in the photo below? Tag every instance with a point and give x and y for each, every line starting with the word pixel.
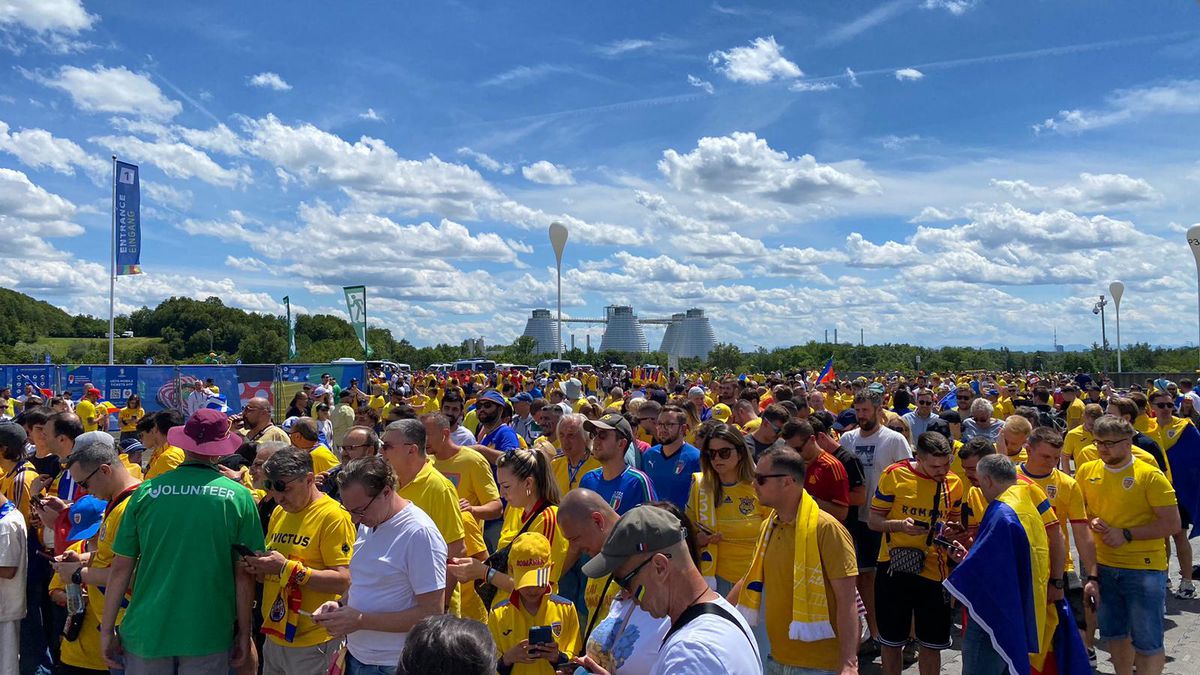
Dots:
pixel 527 484
pixel 724 507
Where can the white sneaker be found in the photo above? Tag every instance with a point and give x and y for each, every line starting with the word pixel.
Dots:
pixel 1186 590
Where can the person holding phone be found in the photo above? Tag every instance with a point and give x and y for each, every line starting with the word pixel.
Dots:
pixel 535 631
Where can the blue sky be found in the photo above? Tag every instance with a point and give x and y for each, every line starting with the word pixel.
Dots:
pixel 931 171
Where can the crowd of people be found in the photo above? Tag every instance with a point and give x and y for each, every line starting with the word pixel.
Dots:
pixel 613 522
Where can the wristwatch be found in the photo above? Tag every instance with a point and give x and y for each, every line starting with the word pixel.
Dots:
pixel 1093 577
pixel 1058 583
pixel 1128 534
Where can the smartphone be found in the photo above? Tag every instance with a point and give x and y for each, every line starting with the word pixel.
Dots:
pixel 944 543
pixel 540 635
pixel 244 551
pixel 921 524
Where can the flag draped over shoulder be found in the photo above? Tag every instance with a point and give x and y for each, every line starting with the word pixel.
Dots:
pixel 995 583
pixel 1184 460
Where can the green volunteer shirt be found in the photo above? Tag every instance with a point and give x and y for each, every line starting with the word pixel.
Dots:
pixel 181 527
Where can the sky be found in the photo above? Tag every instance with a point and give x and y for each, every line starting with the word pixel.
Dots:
pixel 961 172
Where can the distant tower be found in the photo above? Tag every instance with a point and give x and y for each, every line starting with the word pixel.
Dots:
pixel 671 336
pixel 623 332
pixel 695 339
pixel 544 330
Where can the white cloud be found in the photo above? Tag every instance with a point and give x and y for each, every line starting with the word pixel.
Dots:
pixel 955 7
pixel 909 74
pixel 1181 97
pixel 218 139
pixel 246 264
pixel 547 173
pixel 742 162
pixel 178 160
pixel 112 90
pixel 522 75
pixel 1093 192
pixel 853 78
pixel 167 195
pixel 759 63
pixel 368 168
pixel 705 85
pixel 894 142
pixel 38 148
pixel 486 161
pixel 269 80
pixel 813 86
pixel 46 16
pixel 30 210
pixel 622 47
pixel 370 115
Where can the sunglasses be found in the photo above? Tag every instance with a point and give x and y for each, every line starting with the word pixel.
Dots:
pixel 84 483
pixel 1164 406
pixel 924 402
pixel 722 453
pixel 625 581
pixel 281 485
pixel 762 478
pixel 359 513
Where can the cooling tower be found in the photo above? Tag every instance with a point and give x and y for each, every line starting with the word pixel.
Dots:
pixel 543 328
pixel 622 331
pixel 694 338
pixel 671 336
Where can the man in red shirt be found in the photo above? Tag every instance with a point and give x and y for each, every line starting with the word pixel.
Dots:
pixel 825 477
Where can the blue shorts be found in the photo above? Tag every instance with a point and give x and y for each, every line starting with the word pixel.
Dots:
pixel 1131 606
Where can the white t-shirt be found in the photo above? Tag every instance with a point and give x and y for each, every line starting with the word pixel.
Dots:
pixel 711 644
pixel 626 642
pixel 402 558
pixel 13 553
pixel 462 436
pixel 876 452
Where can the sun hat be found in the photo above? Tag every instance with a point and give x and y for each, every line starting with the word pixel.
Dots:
pixel 206 433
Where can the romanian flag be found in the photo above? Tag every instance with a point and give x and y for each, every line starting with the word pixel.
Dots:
pixel 1184 460
pixel 827 374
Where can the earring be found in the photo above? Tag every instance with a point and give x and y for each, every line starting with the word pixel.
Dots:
pixel 529 493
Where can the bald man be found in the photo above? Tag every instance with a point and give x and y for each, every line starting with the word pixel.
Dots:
pixel 256 424
pixel 585 520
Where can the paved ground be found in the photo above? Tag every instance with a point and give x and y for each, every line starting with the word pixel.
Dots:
pixel 1182 640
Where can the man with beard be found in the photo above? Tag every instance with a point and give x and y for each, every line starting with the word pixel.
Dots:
pixel 495 437
pixel 452 408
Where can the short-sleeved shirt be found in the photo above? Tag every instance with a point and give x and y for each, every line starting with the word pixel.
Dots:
pixel 825 478
pixel 502 438
pixel 434 494
pixel 1126 497
pixel 876 453
pixel 128 418
pixel 191 515
pixel 162 460
pixel 1074 441
pixel 471 474
pixel 14 552
pixel 544 523
pixel 838 561
pixel 739 519
pixel 975 504
pixel 567 475
pixel 1065 497
pixel 323 458
pixel 710 644
pixel 321 537
pixel 622 493
pixel 16 484
pixel 509 624
pixel 672 476
pixel 103 556
pixel 905 492
pixel 87 414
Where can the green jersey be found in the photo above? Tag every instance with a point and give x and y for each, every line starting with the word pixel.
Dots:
pixel 181 528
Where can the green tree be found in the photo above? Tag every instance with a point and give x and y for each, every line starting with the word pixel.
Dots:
pixel 264 347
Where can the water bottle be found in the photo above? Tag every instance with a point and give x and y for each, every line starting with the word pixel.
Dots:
pixel 75 601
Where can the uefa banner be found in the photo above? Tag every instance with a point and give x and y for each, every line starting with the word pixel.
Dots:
pixel 128 215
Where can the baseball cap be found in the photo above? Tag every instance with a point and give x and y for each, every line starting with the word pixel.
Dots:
pixel 875 388
pixel 92 390
pixel 493 396
pixel 206 433
pixel 529 560
pixel 695 391
pixel 90 439
pixel 320 391
pixel 85 516
pixel 845 419
pixel 610 422
pixel 721 412
pixel 522 397
pixel 13 437
pixel 643 529
pixel 131 445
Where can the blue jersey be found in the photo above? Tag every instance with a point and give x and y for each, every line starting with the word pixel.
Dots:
pixel 672 476
pixel 623 492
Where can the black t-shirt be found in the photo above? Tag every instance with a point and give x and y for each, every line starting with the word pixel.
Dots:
pixel 756 448
pixel 854 472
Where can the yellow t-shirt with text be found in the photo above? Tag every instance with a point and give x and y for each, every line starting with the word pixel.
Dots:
pixel 904 492
pixel 322 537
pixel 546 524
pixel 739 520
pixel 509 624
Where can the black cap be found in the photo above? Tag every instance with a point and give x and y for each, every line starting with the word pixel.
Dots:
pixel 13 437
pixel 847 418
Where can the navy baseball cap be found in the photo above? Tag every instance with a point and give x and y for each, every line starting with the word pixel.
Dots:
pixel 846 418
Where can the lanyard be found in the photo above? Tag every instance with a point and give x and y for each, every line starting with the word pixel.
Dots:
pixel 572 473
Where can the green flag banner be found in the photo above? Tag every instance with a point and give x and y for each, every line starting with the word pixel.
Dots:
pixel 356 306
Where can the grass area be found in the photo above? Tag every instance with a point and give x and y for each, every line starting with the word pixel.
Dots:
pixel 58 346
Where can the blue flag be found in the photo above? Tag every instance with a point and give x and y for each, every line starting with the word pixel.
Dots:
pixel 1070 654
pixel 1184 459
pixel 950 401
pixel 995 583
pixel 127 204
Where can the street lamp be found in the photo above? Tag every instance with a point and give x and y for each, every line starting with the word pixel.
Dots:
pixel 1193 238
pixel 1098 308
pixel 1116 289
pixel 558 239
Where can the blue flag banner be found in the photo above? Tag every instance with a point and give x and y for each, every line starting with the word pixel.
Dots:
pixel 127 205
pixel 1184 460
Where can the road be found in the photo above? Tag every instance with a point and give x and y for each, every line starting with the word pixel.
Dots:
pixel 1183 647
